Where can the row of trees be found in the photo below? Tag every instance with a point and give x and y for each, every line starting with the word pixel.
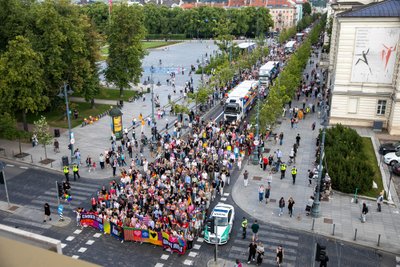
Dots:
pixel 202 22
pixel 289 79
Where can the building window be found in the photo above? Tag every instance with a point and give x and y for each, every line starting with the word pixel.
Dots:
pixel 381 107
pixel 352 105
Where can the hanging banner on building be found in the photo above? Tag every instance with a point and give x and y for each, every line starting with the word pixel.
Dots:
pixel 374 55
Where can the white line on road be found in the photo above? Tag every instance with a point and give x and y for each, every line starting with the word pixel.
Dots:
pixel 196 246
pixel 23 167
pixel 82 249
pixel 223 198
pixel 10 165
pixel 164 257
pixel 222 113
pixel 70 238
pixel 75 257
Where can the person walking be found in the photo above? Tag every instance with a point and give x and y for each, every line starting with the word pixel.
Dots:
pixel 364 212
pixel 281 205
pixel 290 206
pixel 379 201
pixel 254 228
pixel 298 138
pixel 47 212
pixel 279 255
pixel 252 252
pixel 261 193
pixel 244 227
pixel 238 263
pixel 281 138
pixel 101 160
pixel 75 170
pixel 66 173
pixel 189 239
pixel 267 192
pixel 283 170
pixel 246 178
pixel 260 253
pixel 310 177
pixel 294 174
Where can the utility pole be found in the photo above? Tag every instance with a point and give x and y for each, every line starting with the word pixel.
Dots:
pixel 256 138
pixel 71 138
pixel 3 179
pixel 216 242
pixel 152 94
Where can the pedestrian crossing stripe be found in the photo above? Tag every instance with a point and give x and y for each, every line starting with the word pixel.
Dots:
pixel 73 195
pixel 75 184
pixel 28 223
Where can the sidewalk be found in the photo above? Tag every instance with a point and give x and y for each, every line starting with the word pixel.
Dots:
pixel 338 214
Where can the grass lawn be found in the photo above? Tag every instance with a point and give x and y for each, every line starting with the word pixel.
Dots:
pixel 113 94
pixel 369 151
pixel 56 118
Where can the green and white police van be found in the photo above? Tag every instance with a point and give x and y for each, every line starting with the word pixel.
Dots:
pixel 223 215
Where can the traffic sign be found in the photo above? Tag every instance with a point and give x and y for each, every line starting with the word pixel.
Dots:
pixel 72 141
pixel 256 142
pixel 60 209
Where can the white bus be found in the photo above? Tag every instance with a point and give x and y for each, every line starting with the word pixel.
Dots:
pixel 268 72
pixel 289 47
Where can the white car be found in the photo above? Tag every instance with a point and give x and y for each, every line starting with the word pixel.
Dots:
pixel 223 215
pixel 392 158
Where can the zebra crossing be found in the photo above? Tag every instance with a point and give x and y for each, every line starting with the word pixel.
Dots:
pixel 271 239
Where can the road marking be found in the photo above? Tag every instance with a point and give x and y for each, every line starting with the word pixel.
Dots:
pixel 75 257
pixel 199 239
pixel 63 245
pixel 226 194
pixel 164 257
pixel 10 165
pixel 77 232
pixel 70 238
pixel 28 223
pixel 159 265
pixel 196 246
pixel 23 167
pixel 223 198
pixel 222 113
pixel 188 262
pixel 97 235
pixel 82 249
pixel 193 254
pixel 90 242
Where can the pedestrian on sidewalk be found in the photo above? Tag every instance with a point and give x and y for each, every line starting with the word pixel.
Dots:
pixel 244 227
pixel 281 138
pixel 283 170
pixel 310 177
pixel 260 253
pixel 290 206
pixel 313 126
pixel 254 228
pixel 279 155
pixel 267 192
pixel 379 201
pixel 298 138
pixel 101 160
pixel 238 263
pixel 246 178
pixel 47 212
pixel 56 146
pixel 364 212
pixel 294 174
pixel 310 203
pixel 78 216
pixel 261 193
pixel 252 252
pixel 66 173
pixel 279 255
pixel 189 239
pixel 281 206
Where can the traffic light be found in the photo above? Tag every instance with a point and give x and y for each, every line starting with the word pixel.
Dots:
pixel 60 190
pixel 321 253
pixel 210 225
pixel 70 146
pixel 1 177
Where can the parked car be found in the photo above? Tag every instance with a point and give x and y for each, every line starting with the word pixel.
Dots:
pixel 392 158
pixel 389 147
pixel 396 168
pixel 224 215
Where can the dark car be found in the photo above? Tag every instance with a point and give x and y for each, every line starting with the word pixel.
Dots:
pixel 396 169
pixel 389 147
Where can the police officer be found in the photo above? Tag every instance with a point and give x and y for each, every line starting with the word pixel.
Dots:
pixel 244 227
pixel 75 170
pixel 66 173
pixel 283 170
pixel 294 173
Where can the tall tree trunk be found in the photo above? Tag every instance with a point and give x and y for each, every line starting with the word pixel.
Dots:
pixel 121 91
pixel 45 152
pixel 92 102
pixel 24 122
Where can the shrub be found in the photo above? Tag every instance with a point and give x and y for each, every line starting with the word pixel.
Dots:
pixel 345 160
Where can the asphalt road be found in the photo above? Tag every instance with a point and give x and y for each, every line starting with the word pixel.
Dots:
pixel 31 187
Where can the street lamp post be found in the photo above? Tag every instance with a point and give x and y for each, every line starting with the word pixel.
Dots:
pixel 256 138
pixel 316 207
pixel 3 179
pixel 71 137
pixel 152 70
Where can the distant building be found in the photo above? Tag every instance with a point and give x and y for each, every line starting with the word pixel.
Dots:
pixel 283 13
pixel 364 68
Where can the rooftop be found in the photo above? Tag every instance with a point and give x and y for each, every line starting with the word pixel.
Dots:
pixel 388 8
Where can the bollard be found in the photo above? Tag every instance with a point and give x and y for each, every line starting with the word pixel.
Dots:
pixel 355 235
pixel 333 231
pixel 313 222
pixel 379 240
pixel 31 159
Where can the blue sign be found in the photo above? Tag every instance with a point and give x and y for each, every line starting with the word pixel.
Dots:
pixel 60 209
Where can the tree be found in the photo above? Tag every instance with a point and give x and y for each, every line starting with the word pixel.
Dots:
pixel 21 79
pixel 42 132
pixel 224 37
pixel 200 96
pixel 306 9
pixel 125 33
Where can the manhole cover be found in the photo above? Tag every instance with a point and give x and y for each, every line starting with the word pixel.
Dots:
pixel 46 161
pixel 21 155
pixel 326 220
pixel 12 208
pixel 272 200
pixel 257 178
